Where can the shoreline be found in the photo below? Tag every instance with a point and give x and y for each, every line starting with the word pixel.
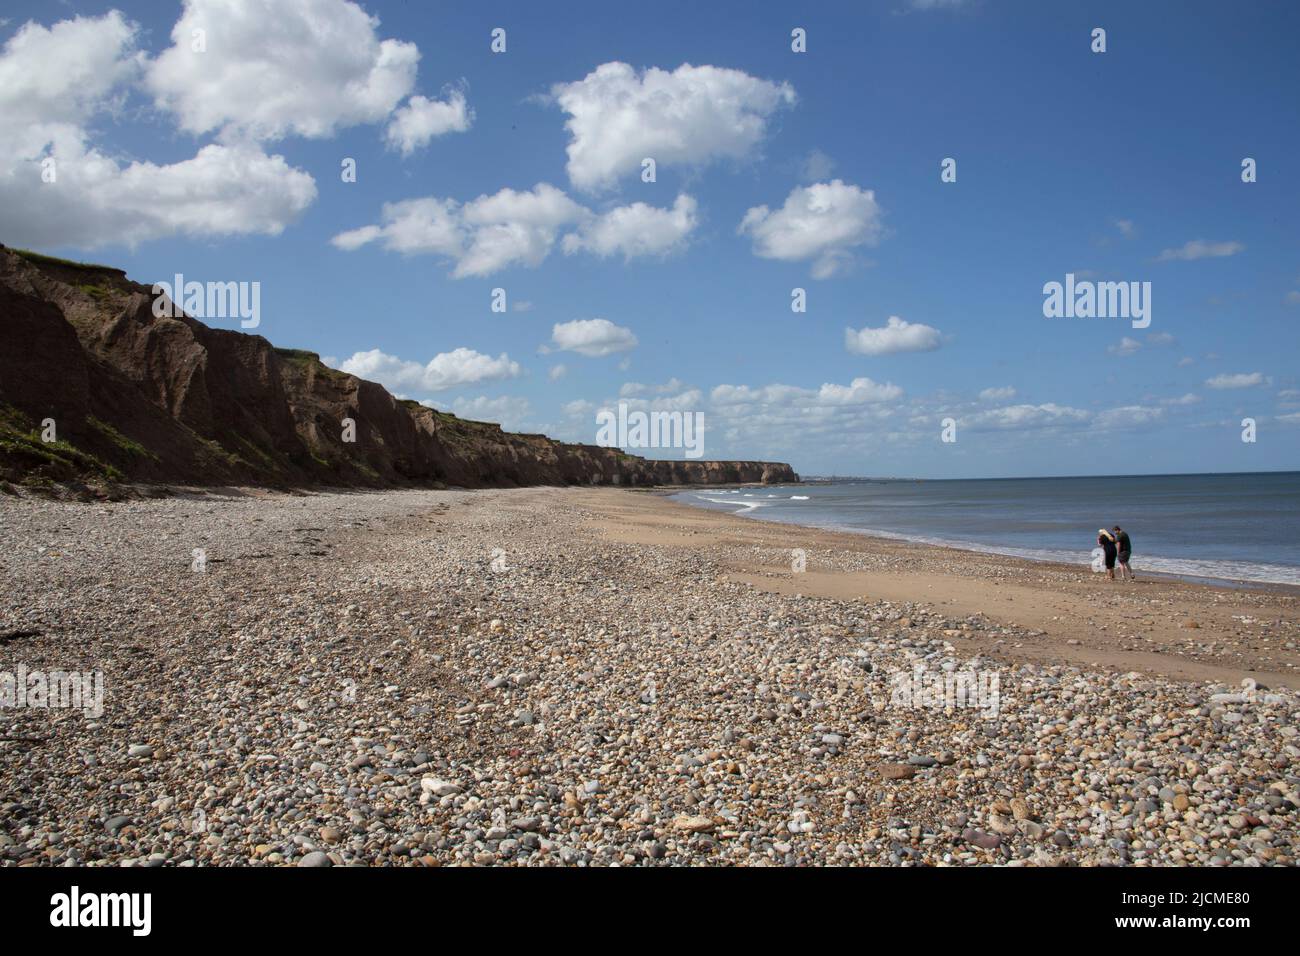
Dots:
pixel 971 548
pixel 1143 626
pixel 1277 587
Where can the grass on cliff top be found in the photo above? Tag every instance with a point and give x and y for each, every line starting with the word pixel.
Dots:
pixel 40 258
pixel 296 355
pixel 307 359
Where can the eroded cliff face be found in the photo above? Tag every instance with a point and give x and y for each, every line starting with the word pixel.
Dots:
pixel 140 398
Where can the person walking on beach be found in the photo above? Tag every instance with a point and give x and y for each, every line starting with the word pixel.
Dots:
pixel 1106 541
pixel 1125 548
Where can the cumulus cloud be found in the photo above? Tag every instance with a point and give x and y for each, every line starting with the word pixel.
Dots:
pixel 222 191
pixel 998 394
pixel 461 366
pixel 1239 380
pixel 1127 416
pixel 633 389
pixel 275 67
pixel 557 372
pixel 481 236
pixel 513 227
pixel 1126 346
pixel 821 222
pixel 267 70
pixel 636 230
pixel 691 116
pixel 53 80
pixel 414 125
pixel 685 401
pixel 1201 249
pixel 1027 417
pixel 592 337
pixel 860 391
pixel 895 336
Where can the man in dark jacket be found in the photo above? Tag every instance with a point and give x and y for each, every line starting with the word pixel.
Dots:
pixel 1125 548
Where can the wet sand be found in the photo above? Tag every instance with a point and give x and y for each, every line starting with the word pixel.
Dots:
pixel 1155 625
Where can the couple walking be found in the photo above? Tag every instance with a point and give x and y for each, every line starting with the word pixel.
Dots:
pixel 1115 544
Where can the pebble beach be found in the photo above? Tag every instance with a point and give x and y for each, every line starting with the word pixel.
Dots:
pixel 523 678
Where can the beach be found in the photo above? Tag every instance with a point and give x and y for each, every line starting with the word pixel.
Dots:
pixel 589 676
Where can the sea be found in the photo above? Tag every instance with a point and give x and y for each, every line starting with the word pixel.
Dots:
pixel 1241 528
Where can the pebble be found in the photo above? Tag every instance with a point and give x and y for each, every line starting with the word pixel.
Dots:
pixel 391 700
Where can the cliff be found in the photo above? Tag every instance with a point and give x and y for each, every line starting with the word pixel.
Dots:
pixel 138 398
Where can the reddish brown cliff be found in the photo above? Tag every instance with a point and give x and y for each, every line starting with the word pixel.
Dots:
pixel 141 398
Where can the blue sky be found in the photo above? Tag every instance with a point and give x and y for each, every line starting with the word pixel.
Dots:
pixel 1115 166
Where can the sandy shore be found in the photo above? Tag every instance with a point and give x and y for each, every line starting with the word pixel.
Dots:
pixel 600 677
pixel 1156 625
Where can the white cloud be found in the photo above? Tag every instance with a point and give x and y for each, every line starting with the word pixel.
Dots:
pixel 895 336
pixel 688 400
pixel 860 391
pixel 1201 249
pixel 53 82
pixel 222 191
pixel 511 227
pixel 1127 416
pixel 821 222
pixel 557 372
pixel 1185 361
pixel 632 389
pixel 461 366
pixel 592 337
pixel 275 67
pixel 689 117
pixel 421 119
pixel 1126 346
pixel 1240 380
pixel 507 411
pixel 998 394
pixel 1191 398
pixel 480 237
pixel 1160 339
pixel 1026 417
pixel 636 230
pixel 1125 227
